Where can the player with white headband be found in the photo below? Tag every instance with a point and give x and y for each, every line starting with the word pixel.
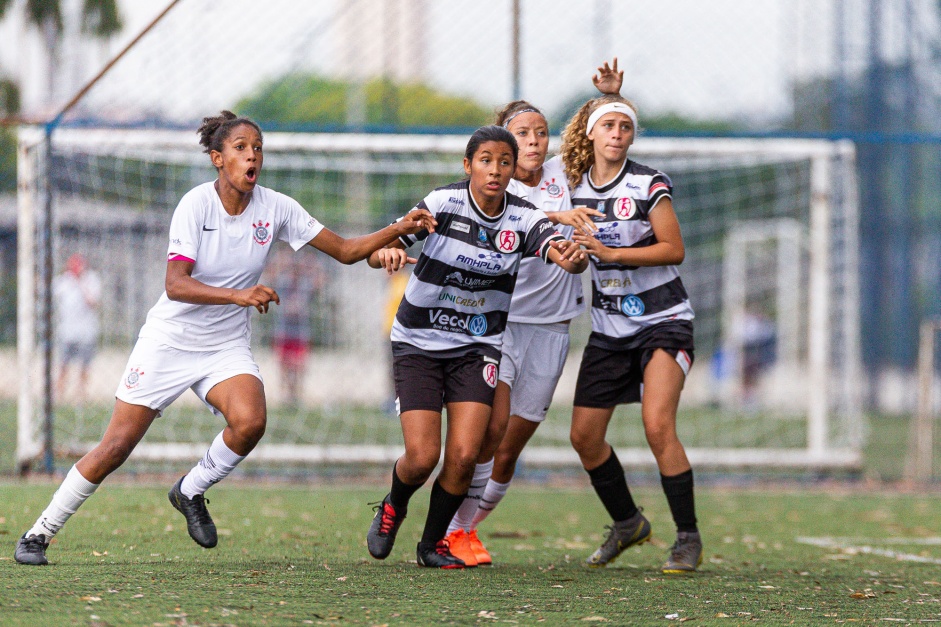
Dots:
pixel 641 345
pixel 536 342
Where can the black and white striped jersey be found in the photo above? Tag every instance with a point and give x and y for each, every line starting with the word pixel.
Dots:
pixel 544 291
pixel 460 292
pixel 628 299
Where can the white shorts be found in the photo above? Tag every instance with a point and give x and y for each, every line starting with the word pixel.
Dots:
pixel 157 374
pixel 533 357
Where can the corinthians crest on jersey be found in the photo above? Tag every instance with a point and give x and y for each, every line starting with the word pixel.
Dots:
pixel 628 299
pixel 460 292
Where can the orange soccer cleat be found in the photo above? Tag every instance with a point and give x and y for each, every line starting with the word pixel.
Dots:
pixel 480 551
pixel 460 546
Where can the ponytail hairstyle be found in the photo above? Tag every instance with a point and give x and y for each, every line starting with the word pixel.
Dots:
pixel 578 152
pixel 492 133
pixel 215 130
pixel 514 109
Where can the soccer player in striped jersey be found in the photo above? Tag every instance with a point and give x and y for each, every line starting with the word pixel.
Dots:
pixel 641 345
pixel 536 341
pixel 448 331
pixel 197 335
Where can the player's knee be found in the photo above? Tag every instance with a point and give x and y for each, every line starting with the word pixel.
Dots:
pixel 504 462
pixel 249 428
pixel 659 437
pixel 423 461
pixel 582 441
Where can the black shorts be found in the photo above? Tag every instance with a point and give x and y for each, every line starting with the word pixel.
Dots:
pixel 424 381
pixel 610 376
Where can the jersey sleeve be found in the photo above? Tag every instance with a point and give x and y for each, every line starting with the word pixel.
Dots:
pixel 540 232
pixel 298 227
pixel 185 230
pixel 433 207
pixel 660 187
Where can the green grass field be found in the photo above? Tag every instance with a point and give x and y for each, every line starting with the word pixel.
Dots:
pixel 296 555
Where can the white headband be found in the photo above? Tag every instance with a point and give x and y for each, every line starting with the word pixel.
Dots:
pixel 615 107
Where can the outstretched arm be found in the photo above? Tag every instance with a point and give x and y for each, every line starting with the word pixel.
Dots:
pixel 358 248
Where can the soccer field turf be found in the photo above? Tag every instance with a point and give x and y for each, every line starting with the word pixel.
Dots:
pixel 294 555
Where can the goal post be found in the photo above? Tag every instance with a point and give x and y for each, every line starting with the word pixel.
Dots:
pixel 115 190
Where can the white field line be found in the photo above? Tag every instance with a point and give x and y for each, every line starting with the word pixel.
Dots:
pixel 863 545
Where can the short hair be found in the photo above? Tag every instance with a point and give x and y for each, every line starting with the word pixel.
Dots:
pixel 492 133
pixel 216 129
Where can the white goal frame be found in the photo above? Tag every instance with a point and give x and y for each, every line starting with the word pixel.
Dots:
pixel 817 452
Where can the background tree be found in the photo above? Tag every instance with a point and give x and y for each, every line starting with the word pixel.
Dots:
pixel 301 100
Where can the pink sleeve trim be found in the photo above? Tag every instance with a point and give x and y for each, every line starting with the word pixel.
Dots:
pixel 177 257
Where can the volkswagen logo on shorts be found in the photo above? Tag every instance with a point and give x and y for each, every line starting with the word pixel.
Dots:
pixel 632 305
pixel 477 325
pixel 490 375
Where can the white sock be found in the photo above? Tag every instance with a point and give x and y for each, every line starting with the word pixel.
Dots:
pixel 74 491
pixel 465 513
pixel 215 465
pixel 491 497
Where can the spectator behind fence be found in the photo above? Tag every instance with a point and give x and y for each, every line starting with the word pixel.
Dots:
pixel 77 293
pixel 298 283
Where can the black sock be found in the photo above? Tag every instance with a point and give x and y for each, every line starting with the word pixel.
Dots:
pixel 441 510
pixel 401 492
pixel 611 486
pixel 679 491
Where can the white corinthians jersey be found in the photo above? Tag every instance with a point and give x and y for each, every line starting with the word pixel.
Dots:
pixel 628 299
pixel 227 251
pixel 545 292
pixel 459 294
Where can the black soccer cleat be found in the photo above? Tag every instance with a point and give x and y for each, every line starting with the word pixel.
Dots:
pixel 621 536
pixel 385 524
pixel 32 550
pixel 437 555
pixel 198 521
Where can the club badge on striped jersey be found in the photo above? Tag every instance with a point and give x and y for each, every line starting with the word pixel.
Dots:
pixel 632 305
pixel 508 241
pixel 490 375
pixel 624 208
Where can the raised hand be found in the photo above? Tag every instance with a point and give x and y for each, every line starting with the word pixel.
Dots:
pixel 608 80
pixel 580 218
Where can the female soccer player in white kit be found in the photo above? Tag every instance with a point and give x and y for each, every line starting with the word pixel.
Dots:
pixel 448 332
pixel 641 345
pixel 536 342
pixel 197 335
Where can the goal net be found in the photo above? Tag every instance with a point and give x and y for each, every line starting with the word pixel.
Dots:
pixel 771 269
